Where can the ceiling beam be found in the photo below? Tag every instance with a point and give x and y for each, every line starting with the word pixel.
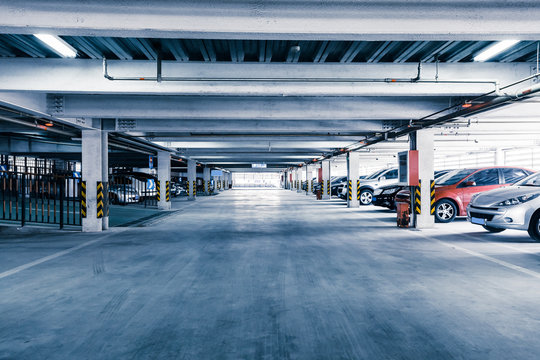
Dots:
pixel 243 108
pixel 254 79
pixel 319 20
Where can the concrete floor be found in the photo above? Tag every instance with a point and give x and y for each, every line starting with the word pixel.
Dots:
pixel 270 274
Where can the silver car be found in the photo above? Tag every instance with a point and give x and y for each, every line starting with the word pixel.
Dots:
pixel 370 183
pixel 513 207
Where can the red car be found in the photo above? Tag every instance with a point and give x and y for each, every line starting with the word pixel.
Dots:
pixel 454 190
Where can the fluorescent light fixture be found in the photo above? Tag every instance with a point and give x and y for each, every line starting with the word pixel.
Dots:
pixel 495 49
pixel 58 45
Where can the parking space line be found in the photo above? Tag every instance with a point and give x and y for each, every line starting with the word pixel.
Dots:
pixel 46 258
pixel 473 253
pixel 75 248
pixel 524 251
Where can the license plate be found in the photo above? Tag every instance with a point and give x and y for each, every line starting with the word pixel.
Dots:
pixel 478 221
pixel 136 197
pixel 373 198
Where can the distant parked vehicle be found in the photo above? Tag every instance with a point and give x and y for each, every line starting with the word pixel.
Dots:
pixel 123 194
pixel 369 184
pixel 454 190
pixel 514 207
pixel 177 190
pixel 385 195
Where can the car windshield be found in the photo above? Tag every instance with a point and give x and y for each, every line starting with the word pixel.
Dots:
pixel 454 177
pixel 532 180
pixel 376 174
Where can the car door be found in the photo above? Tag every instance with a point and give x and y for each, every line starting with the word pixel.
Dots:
pixel 478 182
pixel 390 177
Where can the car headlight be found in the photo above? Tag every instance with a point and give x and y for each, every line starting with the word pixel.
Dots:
pixel 390 191
pixel 517 200
pixel 378 192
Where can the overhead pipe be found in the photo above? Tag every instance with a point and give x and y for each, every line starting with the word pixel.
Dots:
pixel 417 79
pixel 37 126
pixel 425 122
pixel 129 148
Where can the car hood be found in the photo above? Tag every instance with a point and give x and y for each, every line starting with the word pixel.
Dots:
pixel 495 196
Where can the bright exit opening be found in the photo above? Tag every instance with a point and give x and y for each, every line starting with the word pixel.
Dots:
pixel 256 179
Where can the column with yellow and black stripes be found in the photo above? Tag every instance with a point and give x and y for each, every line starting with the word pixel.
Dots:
pixel 206 180
pixel 93 175
pixel 432 197
pixel 83 200
pixel 192 179
pixel 353 174
pixel 325 165
pixel 422 143
pixel 99 203
pixel 161 187
pixel 417 198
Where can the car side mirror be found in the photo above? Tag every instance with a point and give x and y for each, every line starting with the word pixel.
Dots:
pixel 470 183
pixel 382 178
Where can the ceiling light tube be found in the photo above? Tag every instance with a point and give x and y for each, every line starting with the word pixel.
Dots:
pixel 495 49
pixel 58 45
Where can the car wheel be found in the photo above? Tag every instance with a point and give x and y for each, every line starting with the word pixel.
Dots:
pixel 445 211
pixel 366 196
pixel 534 226
pixel 492 229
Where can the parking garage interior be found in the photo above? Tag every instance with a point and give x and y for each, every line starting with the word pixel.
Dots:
pixel 269 180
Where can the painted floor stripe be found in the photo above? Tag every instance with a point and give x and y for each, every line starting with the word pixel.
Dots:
pixel 46 258
pixel 474 253
pixel 65 252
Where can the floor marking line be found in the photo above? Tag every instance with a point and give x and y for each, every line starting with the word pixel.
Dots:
pixel 524 251
pixel 474 253
pixel 31 264
pixel 46 258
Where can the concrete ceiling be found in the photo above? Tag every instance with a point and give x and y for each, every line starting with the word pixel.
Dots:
pixel 277 82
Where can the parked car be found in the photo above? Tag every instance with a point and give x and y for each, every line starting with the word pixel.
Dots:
pixel 337 185
pixel 514 207
pixel 177 190
pixel 373 181
pixel 454 190
pixel 385 195
pixel 123 194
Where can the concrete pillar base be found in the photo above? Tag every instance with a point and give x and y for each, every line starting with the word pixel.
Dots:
pixel 92 174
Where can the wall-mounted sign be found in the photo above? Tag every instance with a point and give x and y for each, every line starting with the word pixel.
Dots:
pixel 150 162
pixel 258 166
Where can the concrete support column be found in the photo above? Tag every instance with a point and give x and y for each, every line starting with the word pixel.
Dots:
pixel 216 179
pixel 299 172
pixel 325 164
pixel 292 186
pixel 423 141
pixel 206 179
pixel 309 190
pixel 92 172
pixel 164 176
pixel 105 177
pixel 192 179
pixel 353 174
pixel 499 157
